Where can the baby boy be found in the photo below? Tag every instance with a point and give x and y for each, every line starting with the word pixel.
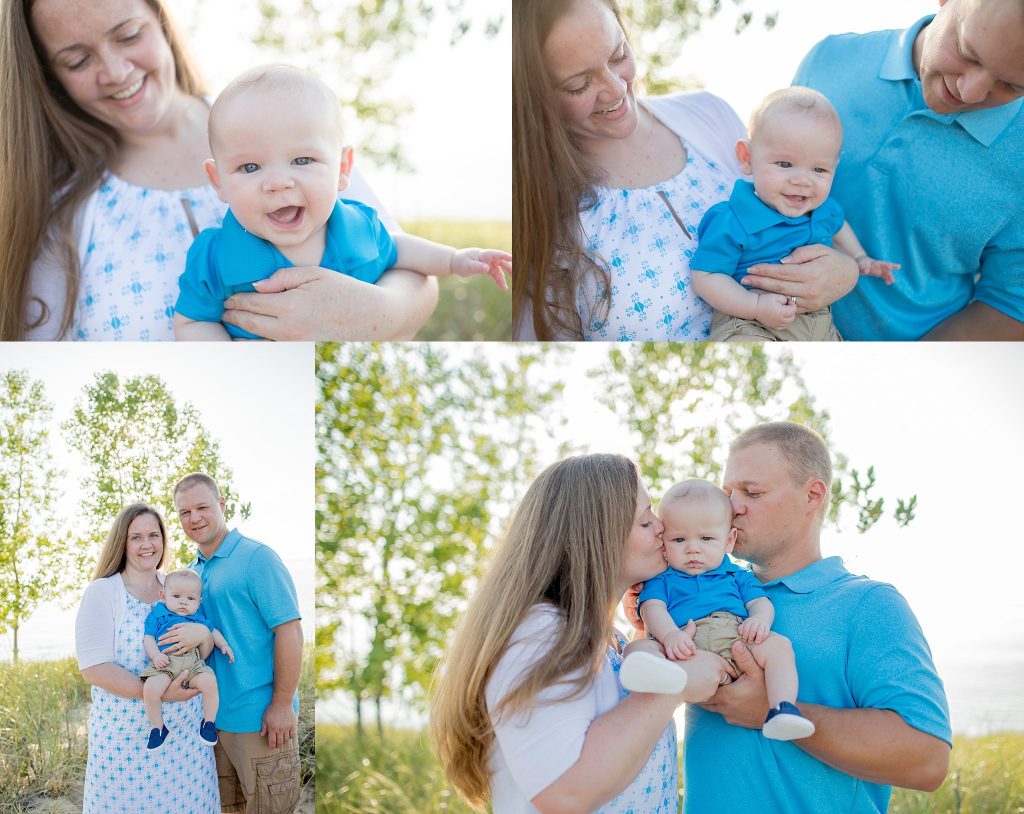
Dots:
pixel 279 163
pixel 180 598
pixel 792 152
pixel 726 601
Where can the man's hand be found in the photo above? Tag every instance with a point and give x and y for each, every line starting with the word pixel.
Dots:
pixel 753 630
pixel 279 724
pixel 815 275
pixel 744 702
pixel 679 644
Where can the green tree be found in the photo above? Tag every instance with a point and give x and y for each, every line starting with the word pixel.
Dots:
pixel 354 47
pixel 137 442
pixel 35 560
pixel 420 454
pixel 664 394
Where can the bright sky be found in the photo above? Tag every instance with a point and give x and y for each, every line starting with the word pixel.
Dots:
pixel 257 401
pixel 936 419
pixel 459 134
pixel 744 69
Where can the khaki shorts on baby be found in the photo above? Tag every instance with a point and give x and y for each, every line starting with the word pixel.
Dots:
pixel 190 662
pixel 816 326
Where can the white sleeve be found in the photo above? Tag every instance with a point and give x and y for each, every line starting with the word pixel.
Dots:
pixel 541 744
pixel 94 625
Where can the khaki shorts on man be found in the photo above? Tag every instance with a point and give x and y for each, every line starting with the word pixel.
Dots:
pixel 255 778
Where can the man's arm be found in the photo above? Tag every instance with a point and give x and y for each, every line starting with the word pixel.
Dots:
pixel 279 723
pixel 876 745
pixel 977 321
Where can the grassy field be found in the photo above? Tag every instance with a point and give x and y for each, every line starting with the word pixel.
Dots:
pixel 43 748
pixel 401 776
pixel 468 309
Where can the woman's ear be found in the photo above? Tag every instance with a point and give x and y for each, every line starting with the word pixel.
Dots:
pixel 347 159
pixel 743 156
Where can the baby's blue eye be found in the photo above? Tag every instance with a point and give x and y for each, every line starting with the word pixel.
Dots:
pixel 249 168
pixel 303 160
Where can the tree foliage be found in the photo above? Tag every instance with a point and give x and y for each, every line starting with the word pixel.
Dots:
pixel 36 562
pixel 685 402
pixel 137 442
pixel 420 454
pixel 354 46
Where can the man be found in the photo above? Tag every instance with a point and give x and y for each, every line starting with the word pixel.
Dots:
pixel 931 171
pixel 250 597
pixel 867 680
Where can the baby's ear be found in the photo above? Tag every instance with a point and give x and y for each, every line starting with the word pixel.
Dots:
pixel 731 541
pixel 211 172
pixel 743 156
pixel 347 160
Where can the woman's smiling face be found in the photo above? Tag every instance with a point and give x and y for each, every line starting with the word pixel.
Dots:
pixel 145 543
pixel 112 58
pixel 591 68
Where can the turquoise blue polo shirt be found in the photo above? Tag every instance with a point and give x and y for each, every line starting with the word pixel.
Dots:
pixel 223 261
pixel 857 645
pixel 725 588
pixel 161 619
pixel 738 233
pixel 247 591
pixel 943 195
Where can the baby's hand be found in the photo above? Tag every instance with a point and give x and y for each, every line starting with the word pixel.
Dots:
pixel 470 262
pixel 877 268
pixel 774 311
pixel 754 631
pixel 679 643
pixel 161 660
pixel 227 651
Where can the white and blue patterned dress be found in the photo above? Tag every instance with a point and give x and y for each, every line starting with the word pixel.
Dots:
pixel 135 253
pixel 638 236
pixel 655 790
pixel 122 776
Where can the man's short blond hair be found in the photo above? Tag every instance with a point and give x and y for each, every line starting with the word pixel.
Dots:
pixel 804 450
pixel 194 479
pixel 697 490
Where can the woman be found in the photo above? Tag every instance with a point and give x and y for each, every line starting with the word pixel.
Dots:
pixel 528 712
pixel 122 775
pixel 608 191
pixel 103 121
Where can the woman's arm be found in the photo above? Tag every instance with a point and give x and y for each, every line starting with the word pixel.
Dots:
pixel 312 303
pixel 618 743
pixel 188 635
pixel 118 681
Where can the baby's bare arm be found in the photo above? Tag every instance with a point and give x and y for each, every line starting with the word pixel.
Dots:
pixel 155 656
pixel 222 644
pixel 190 330
pixel 756 627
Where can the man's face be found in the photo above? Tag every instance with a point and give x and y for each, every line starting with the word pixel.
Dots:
pixel 201 514
pixel 770 510
pixel 698 534
pixel 971 56
pixel 182 596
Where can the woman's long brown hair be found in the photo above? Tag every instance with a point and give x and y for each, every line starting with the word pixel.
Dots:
pixel 564 547
pixel 53 156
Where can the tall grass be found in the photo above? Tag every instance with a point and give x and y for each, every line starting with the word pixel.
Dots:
pixel 468 309
pixel 43 746
pixel 400 775
pixel 40 711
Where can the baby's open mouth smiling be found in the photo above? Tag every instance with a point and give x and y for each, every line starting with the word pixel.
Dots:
pixel 286 217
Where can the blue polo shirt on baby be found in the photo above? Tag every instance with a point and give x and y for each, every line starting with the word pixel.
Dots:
pixel 857 645
pixel 743 231
pixel 939 194
pixel 725 588
pixel 161 619
pixel 247 592
pixel 223 261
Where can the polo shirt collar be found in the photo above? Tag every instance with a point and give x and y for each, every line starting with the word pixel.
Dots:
pixel 226 547
pixel 235 242
pixel 754 214
pixel 726 566
pixel 814 577
pixel 985 126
